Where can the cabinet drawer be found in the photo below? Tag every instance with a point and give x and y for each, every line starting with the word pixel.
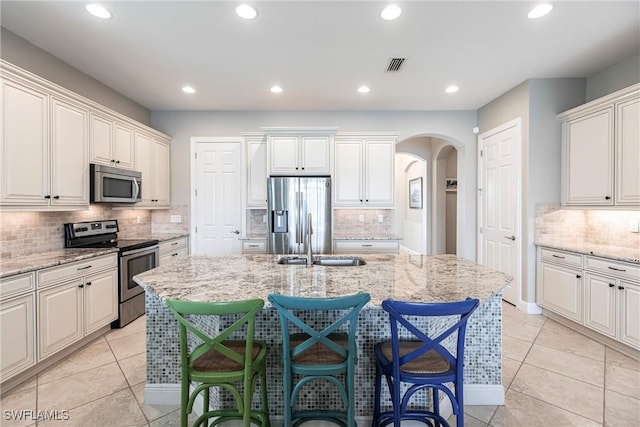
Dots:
pixel 173 245
pixel 53 275
pixel 254 247
pixel 367 246
pixel 14 285
pixel 563 257
pixel 620 269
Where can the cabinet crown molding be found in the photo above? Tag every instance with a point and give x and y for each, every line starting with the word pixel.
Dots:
pixel 596 104
pixel 299 130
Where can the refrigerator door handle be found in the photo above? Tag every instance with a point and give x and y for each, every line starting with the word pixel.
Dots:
pixel 297 216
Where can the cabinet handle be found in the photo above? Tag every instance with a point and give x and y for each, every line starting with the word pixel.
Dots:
pixel 56 197
pixel 47 197
pixel 366 246
pixel 174 243
pixel 81 286
pixel 607 198
pixel 360 200
pixel 252 246
pixel 302 168
pixel 617 269
pixel 83 268
pixel 557 256
pixel 296 168
pixel 367 200
pixel 88 283
pixel 578 276
pixel 621 288
pixel 174 254
pixel 113 160
pixel 611 285
pixel 117 161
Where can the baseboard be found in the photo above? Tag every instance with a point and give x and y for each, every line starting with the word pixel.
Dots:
pixel 483 394
pixel 530 307
pixel 162 394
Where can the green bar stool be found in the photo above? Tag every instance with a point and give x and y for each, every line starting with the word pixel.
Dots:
pixel 313 353
pixel 230 364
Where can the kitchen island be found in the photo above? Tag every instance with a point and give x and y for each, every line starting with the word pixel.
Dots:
pixel 419 278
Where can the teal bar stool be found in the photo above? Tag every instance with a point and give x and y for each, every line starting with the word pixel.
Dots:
pixel 230 364
pixel 419 360
pixel 319 353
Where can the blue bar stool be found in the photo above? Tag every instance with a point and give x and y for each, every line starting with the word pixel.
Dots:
pixel 315 353
pixel 419 360
pixel 232 364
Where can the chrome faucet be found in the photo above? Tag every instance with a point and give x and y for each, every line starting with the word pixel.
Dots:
pixel 309 233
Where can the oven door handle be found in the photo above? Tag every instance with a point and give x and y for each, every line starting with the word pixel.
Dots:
pixel 135 183
pixel 137 251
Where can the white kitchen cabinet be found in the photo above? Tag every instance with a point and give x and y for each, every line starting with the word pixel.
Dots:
pixel 364 171
pixel 17 325
pixel 560 286
pixel 256 147
pixel 627 180
pixel 111 143
pixel 299 154
pixel 173 249
pixel 44 150
pixel 629 332
pixel 152 159
pixel 74 300
pixel 601 151
pixel 350 246
pixel 601 302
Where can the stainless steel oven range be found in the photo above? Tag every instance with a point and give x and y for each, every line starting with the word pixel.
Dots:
pixel 135 257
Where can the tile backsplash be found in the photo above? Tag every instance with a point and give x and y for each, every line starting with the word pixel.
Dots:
pixel 23 233
pixel 347 221
pixel 600 227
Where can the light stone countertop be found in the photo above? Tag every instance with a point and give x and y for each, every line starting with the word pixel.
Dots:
pixel 420 278
pixel 356 236
pixel 162 237
pixel 616 253
pixel 40 260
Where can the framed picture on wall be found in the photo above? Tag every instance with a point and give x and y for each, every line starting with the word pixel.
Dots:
pixel 415 193
pixel 451 184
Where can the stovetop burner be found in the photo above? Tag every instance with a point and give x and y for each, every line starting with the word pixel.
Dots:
pixel 101 234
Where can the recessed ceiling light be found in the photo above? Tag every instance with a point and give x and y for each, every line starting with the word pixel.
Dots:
pixel 539 11
pixel 363 89
pixel 188 89
pixel 98 11
pixel 246 11
pixel 452 89
pixel 276 89
pixel 390 12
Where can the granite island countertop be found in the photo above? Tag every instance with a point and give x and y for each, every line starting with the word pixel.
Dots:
pixel 616 253
pixel 433 278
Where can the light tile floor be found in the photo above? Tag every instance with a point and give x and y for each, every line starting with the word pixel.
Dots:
pixel 552 377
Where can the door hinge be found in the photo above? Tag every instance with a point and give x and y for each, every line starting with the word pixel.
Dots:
pixel 196 229
pixel 481 153
pixel 480 230
pixel 196 155
pixel 196 190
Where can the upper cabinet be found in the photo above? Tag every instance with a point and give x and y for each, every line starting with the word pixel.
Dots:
pixel 299 152
pixel 601 151
pixel 364 170
pixel 49 137
pixel 256 149
pixel 111 142
pixel 152 159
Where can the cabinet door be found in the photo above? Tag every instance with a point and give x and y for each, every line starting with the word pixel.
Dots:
pixel 161 166
pixel 379 173
pixel 143 165
pixel 283 155
pixel 257 173
pixel 629 314
pixel 24 145
pixel 316 155
pixel 17 337
pixel 588 159
pixel 561 290
pixel 123 149
pixel 348 173
pixel 100 140
pixel 628 152
pixel 600 304
pixel 69 154
pixel 59 317
pixel 100 300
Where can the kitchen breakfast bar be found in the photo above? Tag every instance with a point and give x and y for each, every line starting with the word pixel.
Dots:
pixel 419 278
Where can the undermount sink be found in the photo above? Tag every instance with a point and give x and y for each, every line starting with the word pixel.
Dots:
pixel 328 261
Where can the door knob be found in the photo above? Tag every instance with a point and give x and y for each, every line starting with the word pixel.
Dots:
pixel 235 231
pixel 510 237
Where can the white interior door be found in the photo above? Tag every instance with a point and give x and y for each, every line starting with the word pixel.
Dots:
pixel 217 198
pixel 499 170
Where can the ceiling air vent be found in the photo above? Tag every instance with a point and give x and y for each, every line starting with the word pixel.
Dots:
pixel 395 64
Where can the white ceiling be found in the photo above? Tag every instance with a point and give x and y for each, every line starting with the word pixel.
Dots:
pixel 320 52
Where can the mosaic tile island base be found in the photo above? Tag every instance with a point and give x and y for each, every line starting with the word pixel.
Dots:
pixel 420 278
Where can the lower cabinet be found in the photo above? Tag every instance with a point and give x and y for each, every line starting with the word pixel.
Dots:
pixel 173 249
pixel 59 317
pixel 17 335
pixel 100 300
pixel 599 293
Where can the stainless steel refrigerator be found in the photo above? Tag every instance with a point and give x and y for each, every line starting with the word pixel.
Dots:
pixel 290 200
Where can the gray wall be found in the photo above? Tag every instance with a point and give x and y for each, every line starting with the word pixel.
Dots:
pixel 613 78
pixel 20 52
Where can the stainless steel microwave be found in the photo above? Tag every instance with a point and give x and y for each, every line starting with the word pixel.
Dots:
pixel 114 185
